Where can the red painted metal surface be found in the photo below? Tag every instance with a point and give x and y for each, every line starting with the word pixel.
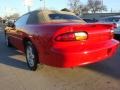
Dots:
pixel 97 47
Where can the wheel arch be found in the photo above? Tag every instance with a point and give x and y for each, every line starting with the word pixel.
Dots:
pixel 25 40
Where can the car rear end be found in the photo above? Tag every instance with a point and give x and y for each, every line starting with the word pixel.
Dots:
pixel 81 44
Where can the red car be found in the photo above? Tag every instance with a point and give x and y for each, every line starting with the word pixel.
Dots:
pixel 60 39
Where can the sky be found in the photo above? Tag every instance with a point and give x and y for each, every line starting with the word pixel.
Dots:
pixel 11 6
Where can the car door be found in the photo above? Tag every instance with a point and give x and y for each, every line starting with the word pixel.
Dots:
pixel 17 33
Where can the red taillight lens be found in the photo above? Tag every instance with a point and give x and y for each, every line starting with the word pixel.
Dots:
pixel 72 36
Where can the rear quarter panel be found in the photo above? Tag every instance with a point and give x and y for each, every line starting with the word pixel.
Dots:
pixel 42 36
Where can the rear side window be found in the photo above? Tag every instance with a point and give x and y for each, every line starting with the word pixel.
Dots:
pixel 33 18
pixel 22 20
pixel 63 17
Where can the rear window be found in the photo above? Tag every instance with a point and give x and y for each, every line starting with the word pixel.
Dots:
pixel 63 17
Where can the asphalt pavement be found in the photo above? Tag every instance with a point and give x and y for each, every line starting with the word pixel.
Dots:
pixel 14 74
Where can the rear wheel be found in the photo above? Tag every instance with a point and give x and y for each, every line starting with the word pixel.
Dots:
pixel 31 56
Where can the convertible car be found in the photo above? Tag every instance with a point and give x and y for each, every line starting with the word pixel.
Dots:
pixel 60 39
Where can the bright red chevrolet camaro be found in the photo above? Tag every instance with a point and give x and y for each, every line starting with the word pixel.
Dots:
pixel 60 39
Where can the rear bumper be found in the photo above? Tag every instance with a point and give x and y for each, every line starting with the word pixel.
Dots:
pixel 95 53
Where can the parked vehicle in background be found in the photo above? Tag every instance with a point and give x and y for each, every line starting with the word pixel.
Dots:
pixel 114 20
pixel 8 22
pixel 0 20
pixel 117 34
pixel 60 39
pixel 111 19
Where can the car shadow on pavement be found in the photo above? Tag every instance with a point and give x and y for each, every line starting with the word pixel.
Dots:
pixel 7 55
pixel 6 59
pixel 109 67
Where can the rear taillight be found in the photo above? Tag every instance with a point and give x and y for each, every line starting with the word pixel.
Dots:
pixel 72 36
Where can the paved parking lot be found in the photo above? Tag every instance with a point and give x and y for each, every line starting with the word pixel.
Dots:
pixel 14 75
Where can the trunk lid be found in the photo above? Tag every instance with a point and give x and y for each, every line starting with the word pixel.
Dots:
pixel 96 32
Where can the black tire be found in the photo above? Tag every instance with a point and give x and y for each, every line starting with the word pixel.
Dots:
pixel 33 62
pixel 7 41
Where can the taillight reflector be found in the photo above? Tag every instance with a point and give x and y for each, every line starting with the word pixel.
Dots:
pixel 81 36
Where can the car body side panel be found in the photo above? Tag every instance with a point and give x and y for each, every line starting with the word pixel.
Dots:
pixel 74 53
pixel 41 37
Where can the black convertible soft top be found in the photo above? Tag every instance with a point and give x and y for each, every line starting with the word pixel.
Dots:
pixel 46 16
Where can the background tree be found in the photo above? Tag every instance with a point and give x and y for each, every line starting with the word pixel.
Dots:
pixel 96 6
pixel 75 6
pixel 65 9
pixel 84 9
